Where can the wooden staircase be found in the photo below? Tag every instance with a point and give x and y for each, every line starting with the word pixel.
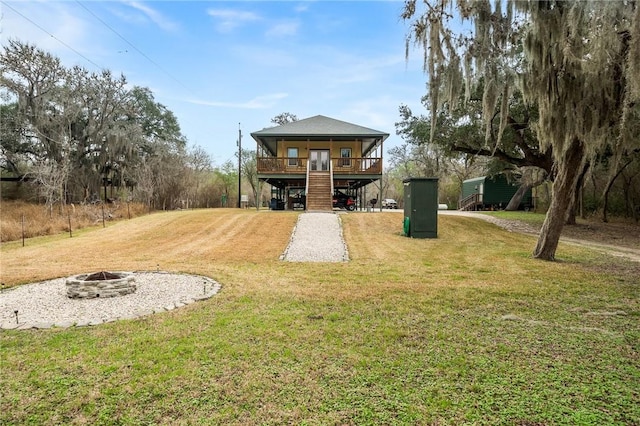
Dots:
pixel 472 202
pixel 319 195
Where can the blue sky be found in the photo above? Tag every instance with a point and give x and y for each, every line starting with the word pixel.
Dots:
pixel 218 64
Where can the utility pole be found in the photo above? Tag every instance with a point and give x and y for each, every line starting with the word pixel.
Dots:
pixel 239 166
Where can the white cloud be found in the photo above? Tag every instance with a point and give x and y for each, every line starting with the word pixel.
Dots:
pixel 228 19
pixel 156 17
pixel 132 17
pixel 283 29
pixel 259 102
pixel 302 7
pixel 377 112
pixel 367 69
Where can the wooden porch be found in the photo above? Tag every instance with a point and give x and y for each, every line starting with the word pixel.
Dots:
pixel 340 166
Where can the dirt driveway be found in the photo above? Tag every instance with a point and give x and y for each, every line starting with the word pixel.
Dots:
pixel 617 239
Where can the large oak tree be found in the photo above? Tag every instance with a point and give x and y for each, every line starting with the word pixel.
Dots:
pixel 73 131
pixel 577 61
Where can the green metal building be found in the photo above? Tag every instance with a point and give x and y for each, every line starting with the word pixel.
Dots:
pixel 491 193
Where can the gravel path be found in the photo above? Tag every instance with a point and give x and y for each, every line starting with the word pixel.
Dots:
pixel 45 304
pixel 317 237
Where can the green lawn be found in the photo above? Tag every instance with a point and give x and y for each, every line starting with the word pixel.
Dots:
pixel 534 219
pixel 463 329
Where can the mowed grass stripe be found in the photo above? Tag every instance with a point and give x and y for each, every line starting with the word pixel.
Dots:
pixel 176 241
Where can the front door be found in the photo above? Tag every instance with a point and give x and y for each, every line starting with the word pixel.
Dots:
pixel 319 159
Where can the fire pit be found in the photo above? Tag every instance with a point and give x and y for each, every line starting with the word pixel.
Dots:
pixel 100 284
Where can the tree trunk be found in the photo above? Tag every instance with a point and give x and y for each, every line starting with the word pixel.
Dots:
pixel 577 198
pixel 515 201
pixel 529 180
pixel 630 206
pixel 607 190
pixel 564 187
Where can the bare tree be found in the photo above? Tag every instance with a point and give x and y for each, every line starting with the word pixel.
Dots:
pixel 622 163
pixel 198 169
pixel 52 178
pixel 145 187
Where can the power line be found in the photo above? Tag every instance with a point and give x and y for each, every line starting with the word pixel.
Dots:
pixel 133 46
pixel 110 28
pixel 54 37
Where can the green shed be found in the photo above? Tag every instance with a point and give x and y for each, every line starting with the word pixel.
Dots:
pixel 421 207
pixel 490 193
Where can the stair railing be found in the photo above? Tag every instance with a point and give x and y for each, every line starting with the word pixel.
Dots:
pixel 331 176
pixel 468 201
pixel 306 188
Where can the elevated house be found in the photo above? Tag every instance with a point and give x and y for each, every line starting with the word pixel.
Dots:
pixel 307 161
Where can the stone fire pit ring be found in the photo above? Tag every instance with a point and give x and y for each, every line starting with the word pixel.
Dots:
pixel 101 284
pixel 45 304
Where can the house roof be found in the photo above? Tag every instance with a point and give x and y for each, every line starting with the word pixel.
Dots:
pixel 319 127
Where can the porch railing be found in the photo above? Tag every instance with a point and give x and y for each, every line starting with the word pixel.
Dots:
pixel 291 165
pixel 281 165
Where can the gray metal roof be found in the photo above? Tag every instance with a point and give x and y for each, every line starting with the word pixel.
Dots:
pixel 319 126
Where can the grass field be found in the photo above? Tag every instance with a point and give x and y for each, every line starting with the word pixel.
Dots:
pixel 462 329
pixel 536 219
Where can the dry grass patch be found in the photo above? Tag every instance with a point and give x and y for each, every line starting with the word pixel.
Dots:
pixel 32 220
pixel 196 241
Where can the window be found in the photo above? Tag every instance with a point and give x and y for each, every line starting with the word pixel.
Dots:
pixel 345 157
pixel 292 154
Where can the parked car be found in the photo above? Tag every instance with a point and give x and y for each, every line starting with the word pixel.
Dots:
pixel 343 201
pixel 389 203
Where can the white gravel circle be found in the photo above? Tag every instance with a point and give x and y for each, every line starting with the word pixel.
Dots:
pixel 45 304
